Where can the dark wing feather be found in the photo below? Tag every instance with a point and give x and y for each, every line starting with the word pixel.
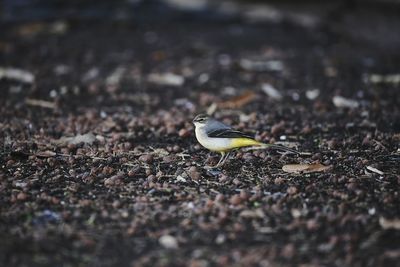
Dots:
pixel 227 133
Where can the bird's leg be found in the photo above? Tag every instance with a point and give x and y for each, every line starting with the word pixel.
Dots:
pixel 220 160
pixel 226 157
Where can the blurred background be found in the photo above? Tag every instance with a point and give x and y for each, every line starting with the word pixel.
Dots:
pixel 370 20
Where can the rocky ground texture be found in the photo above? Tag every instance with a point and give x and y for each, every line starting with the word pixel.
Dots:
pixel 100 166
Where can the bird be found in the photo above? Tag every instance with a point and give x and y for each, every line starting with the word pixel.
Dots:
pixel 219 137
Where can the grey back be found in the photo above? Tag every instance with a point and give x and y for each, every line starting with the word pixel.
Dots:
pixel 214 125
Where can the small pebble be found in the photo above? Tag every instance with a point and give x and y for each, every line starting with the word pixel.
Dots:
pixel 22 196
pixel 288 251
pixel 306 129
pixel 183 132
pixel 115 180
pixel 223 178
pixel 244 194
pixel 351 186
pixel 132 172
pixel 277 128
pixel 169 159
pixel 235 200
pixel 194 173
pixel 168 242
pixel 220 198
pixel 147 158
pixel 236 181
pixel 292 190
pixel 279 181
pixel 151 178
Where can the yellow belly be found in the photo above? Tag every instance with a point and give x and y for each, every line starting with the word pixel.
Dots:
pixel 242 142
pixel 226 144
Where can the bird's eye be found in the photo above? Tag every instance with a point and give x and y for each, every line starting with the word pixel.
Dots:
pixel 200 120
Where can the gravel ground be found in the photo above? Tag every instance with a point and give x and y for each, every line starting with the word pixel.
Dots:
pixel 100 166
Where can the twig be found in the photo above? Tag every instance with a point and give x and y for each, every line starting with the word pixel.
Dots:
pixel 40 103
pixel 379 143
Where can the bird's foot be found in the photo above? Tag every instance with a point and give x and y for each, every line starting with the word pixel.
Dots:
pixel 216 167
pixel 214 171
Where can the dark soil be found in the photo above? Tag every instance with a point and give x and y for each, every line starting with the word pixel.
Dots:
pixel 136 192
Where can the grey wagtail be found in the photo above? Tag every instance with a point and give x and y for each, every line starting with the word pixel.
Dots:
pixel 217 136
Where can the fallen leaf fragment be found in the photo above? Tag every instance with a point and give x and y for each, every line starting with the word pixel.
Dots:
pixel 30 29
pixel 394 253
pixel 212 108
pixel 266 230
pixel 389 224
pixel 238 101
pixel 17 75
pixel 375 170
pixel 261 65
pixel 262 13
pixel 40 103
pixel 383 78
pixel 258 213
pixel 116 76
pixel 170 79
pixel 33 29
pixel 307 168
pixel 271 91
pixel 341 102
pixel 160 152
pixel 45 154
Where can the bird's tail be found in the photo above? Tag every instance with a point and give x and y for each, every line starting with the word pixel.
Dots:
pixel 249 142
pixel 278 147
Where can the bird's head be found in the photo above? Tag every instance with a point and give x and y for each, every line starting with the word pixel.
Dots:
pixel 201 120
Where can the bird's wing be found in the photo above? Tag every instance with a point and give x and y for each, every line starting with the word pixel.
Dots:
pixel 227 133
